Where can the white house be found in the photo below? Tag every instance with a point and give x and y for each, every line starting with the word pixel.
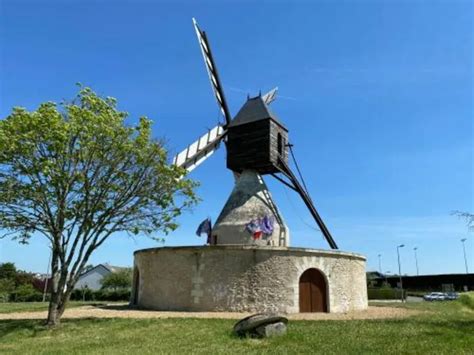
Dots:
pixel 92 279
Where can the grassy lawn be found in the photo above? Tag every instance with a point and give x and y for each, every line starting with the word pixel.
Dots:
pixel 37 306
pixel 445 327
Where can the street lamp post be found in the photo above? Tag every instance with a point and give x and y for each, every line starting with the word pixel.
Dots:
pixel 380 262
pixel 388 272
pixel 400 269
pixel 464 250
pixel 416 261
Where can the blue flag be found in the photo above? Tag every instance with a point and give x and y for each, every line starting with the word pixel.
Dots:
pixel 204 227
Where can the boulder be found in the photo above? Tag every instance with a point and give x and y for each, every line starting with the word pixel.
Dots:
pixel 271 330
pixel 261 325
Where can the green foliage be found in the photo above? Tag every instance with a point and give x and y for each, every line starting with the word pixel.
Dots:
pixel 444 329
pixel 7 286
pixel 26 293
pixel 101 295
pixel 16 285
pixel 78 162
pixel 75 173
pixel 467 299
pixel 121 279
pixel 384 294
pixel 7 271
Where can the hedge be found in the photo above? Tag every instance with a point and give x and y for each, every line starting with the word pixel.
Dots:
pixel 25 293
pixel 101 295
pixel 385 294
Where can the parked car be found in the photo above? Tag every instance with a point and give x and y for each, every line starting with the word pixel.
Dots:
pixel 451 296
pixel 435 296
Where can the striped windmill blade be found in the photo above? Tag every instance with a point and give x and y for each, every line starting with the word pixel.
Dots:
pixel 212 72
pixel 200 150
pixel 270 96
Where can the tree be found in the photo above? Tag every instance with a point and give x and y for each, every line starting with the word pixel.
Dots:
pixel 16 285
pixel 121 279
pixel 88 267
pixel 8 271
pixel 76 174
pixel 468 218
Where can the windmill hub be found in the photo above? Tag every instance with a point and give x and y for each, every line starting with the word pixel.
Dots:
pixel 249 266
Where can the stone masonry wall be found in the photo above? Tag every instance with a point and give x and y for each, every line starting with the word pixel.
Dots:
pixel 244 278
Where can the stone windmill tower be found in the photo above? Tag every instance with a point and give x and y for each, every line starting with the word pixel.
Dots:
pixel 257 144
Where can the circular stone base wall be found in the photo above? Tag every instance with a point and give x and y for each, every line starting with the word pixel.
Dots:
pixel 244 278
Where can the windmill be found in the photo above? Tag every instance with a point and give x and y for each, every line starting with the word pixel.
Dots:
pixel 257 144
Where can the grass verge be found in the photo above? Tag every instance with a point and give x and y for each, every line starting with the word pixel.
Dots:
pixel 445 327
pixel 9 307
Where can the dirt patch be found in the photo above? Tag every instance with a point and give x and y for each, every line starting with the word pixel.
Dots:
pixel 123 311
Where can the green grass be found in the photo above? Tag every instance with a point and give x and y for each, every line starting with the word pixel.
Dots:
pixel 9 307
pixel 467 299
pixel 444 327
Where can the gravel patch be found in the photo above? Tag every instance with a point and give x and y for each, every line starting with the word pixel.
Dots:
pixel 122 311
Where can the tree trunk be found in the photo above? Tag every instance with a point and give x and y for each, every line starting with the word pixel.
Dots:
pixel 54 315
pixel 63 281
pixel 60 294
pixel 57 306
pixel 57 303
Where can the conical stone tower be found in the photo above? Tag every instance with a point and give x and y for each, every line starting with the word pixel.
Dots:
pixel 249 201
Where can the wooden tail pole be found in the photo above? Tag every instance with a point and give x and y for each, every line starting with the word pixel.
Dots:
pixel 307 200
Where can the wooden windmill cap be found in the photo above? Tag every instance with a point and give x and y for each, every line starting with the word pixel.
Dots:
pixel 254 110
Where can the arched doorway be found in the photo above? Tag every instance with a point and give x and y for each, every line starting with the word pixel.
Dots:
pixel 313 291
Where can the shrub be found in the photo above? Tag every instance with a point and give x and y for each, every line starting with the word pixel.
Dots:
pixel 385 294
pixel 112 295
pixel 26 293
pixel 118 280
pixel 85 294
pixel 100 295
pixel 467 299
pixel 4 296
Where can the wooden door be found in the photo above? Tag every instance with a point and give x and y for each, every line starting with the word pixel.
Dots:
pixel 313 292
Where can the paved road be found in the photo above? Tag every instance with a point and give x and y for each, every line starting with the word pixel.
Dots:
pixel 414 299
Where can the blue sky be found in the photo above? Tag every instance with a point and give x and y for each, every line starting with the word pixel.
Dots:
pixel 377 95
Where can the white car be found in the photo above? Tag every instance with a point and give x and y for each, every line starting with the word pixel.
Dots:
pixel 435 296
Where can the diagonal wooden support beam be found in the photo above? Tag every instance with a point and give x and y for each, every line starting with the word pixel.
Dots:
pixel 285 169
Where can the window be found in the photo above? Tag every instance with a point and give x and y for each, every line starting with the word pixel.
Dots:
pixel 280 144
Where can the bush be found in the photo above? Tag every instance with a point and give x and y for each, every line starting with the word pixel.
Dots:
pixel 113 295
pixel 26 293
pixel 385 294
pixel 7 286
pixel 4 296
pixel 100 295
pixel 16 285
pixel 467 299
pixel 118 280
pixel 85 294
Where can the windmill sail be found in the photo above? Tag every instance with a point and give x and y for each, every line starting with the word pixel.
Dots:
pixel 200 150
pixel 212 72
pixel 270 96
